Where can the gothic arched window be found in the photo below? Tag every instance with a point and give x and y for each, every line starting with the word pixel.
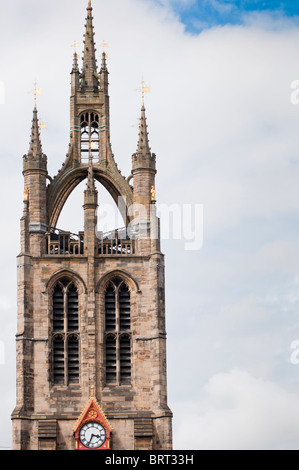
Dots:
pixel 118 347
pixel 90 137
pixel 65 336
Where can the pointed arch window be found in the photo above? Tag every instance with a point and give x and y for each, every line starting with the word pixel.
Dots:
pixel 118 342
pixel 65 333
pixel 90 137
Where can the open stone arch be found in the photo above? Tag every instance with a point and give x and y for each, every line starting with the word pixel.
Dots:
pixel 64 184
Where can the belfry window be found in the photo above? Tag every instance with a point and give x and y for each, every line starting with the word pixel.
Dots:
pixel 65 333
pixel 90 137
pixel 118 346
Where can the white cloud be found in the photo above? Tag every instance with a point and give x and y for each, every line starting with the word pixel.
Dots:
pixel 220 7
pixel 239 411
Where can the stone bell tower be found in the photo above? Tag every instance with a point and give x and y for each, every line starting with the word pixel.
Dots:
pixel 91 339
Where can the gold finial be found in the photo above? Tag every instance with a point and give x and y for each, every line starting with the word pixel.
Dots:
pixel 105 46
pixel 153 194
pixel 42 125
pixel 143 89
pixel 36 91
pixel 92 391
pixel 75 46
pixel 26 194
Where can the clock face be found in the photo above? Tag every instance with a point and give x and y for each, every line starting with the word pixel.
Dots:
pixel 92 435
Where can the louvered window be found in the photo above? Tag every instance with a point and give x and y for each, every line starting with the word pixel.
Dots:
pixel 118 333
pixel 73 359
pixel 72 309
pixel 66 344
pixel 110 308
pixel 58 309
pixel 58 350
pixel 124 308
pixel 111 359
pixel 125 359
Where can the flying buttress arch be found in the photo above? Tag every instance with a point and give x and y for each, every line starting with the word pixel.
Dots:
pixel 61 188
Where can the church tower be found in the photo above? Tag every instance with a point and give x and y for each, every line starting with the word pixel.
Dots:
pixel 91 339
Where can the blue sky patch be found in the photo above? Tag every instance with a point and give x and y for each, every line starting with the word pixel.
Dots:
pixel 201 14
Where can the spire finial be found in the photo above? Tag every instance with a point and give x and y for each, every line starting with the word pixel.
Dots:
pixel 90 73
pixel 104 64
pixel 35 142
pixel 104 56
pixel 75 63
pixel 143 142
pixel 75 46
pixel 144 89
pixel 104 46
pixel 36 91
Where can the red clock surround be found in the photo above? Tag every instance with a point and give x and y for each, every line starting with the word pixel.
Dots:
pixel 92 414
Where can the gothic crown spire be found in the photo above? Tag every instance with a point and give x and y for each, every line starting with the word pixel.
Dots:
pixel 90 74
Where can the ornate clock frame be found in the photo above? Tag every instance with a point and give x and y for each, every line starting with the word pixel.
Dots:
pixel 92 413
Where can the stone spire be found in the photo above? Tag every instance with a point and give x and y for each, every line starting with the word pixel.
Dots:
pixel 143 142
pixel 35 149
pixel 104 63
pixel 75 63
pixel 104 74
pixel 90 74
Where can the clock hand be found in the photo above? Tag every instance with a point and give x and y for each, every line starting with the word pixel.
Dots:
pixel 94 435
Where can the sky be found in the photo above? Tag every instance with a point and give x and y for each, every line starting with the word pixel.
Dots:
pixel 223 119
pixel 199 15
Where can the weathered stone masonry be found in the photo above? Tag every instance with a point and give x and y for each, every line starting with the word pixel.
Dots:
pixel 53 385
